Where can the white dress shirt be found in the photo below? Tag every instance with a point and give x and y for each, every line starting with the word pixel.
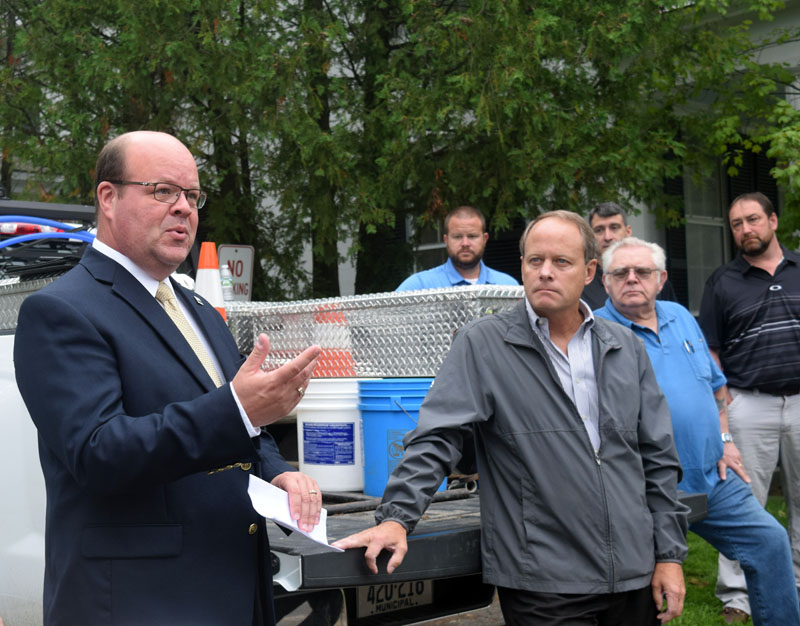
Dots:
pixel 151 285
pixel 575 369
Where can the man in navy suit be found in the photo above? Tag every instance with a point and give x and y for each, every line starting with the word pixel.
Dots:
pixel 146 459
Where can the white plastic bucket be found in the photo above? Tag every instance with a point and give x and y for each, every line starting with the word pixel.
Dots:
pixel 329 434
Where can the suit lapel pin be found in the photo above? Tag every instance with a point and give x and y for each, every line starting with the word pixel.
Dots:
pixel 199 301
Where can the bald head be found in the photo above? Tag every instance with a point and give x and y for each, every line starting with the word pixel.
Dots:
pixel 154 234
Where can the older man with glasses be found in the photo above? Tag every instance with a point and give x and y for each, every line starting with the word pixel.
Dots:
pixel 695 390
pixel 609 223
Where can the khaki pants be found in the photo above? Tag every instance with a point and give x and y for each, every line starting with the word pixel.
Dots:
pixel 766 429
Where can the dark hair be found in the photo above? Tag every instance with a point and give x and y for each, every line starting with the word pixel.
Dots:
pixel 464 212
pixel 589 248
pixel 110 164
pixel 607 209
pixel 755 196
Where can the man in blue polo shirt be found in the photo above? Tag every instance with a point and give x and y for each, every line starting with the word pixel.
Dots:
pixel 696 393
pixel 465 237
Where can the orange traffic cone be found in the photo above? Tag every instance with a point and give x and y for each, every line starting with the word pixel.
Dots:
pixel 208 282
pixel 332 334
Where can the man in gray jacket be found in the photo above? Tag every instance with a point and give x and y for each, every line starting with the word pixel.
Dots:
pixel 580 518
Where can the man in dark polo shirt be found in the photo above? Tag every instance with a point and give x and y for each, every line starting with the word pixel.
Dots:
pixel 609 224
pixel 750 316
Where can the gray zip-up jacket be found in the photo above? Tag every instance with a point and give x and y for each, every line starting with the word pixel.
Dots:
pixel 555 516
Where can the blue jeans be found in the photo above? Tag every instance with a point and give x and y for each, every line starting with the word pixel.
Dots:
pixel 740 528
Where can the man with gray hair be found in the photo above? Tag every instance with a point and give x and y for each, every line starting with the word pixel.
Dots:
pixel 737 525
pixel 609 223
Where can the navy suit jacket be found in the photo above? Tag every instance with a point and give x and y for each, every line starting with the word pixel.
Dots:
pixel 140 529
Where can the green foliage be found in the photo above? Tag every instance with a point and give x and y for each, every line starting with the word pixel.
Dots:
pixel 333 120
pixel 700 607
pixel 536 109
pixel 82 72
pixel 782 134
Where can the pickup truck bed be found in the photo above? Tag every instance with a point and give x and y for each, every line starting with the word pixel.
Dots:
pixel 445 543
pixel 444 548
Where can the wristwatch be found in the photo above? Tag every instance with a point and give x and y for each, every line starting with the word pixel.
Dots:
pixel 726 438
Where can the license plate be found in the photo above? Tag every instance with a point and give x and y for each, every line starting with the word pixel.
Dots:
pixel 376 599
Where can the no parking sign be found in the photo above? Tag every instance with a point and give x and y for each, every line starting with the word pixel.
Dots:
pixel 240 262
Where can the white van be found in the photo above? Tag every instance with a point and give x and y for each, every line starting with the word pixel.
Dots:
pixel 23 495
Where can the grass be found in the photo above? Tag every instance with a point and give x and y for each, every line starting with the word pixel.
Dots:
pixel 701 607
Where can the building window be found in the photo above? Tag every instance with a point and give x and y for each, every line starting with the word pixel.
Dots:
pixel 703 242
pixel 430 250
pixel 707 240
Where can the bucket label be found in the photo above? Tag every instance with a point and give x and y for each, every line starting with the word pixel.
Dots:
pixel 329 443
pixel 394 447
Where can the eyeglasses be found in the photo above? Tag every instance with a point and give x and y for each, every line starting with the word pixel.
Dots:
pixel 622 273
pixel 169 193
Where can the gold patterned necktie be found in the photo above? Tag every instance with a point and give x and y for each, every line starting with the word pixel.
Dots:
pixel 167 299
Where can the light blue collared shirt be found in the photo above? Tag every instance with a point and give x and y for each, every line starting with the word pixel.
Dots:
pixel 575 369
pixel 151 285
pixel 446 275
pixel 688 377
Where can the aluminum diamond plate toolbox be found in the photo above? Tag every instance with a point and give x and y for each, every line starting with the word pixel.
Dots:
pixel 377 335
pixel 12 292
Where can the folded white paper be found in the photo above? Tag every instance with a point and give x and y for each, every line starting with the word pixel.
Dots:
pixel 273 503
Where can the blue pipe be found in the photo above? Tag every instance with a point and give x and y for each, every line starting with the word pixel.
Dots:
pixel 80 235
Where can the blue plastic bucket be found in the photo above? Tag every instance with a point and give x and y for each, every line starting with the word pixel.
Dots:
pixel 389 409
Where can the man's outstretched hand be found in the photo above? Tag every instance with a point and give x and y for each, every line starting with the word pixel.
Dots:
pixel 388 535
pixel 269 396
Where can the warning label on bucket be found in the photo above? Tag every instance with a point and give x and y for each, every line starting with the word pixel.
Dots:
pixel 329 443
